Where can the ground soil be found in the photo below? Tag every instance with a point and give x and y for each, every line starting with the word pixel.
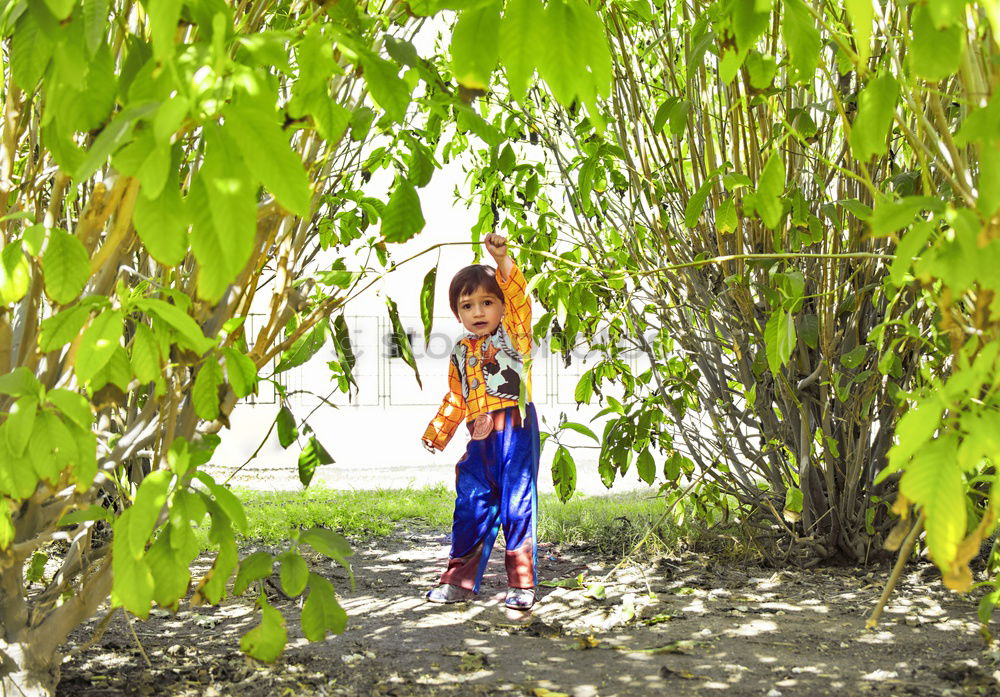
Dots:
pixel 673 626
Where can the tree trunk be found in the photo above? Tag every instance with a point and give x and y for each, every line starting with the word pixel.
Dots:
pixel 29 640
pixel 27 672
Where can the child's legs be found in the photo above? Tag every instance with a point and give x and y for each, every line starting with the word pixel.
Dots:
pixel 476 520
pixel 519 453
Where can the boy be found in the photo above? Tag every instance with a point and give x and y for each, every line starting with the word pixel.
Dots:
pixel 496 478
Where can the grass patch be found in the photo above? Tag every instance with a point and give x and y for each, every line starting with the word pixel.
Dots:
pixel 273 515
pixel 613 523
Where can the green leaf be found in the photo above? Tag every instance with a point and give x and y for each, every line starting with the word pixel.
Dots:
pixel 876 106
pixel 574 582
pixel 475 44
pixel 809 330
pixel 934 480
pixel 18 479
pixel 83 515
pixel 112 137
pixel 305 347
pixel 30 51
pixel 162 223
pixel 241 371
pixel 558 56
pixel 20 422
pixel 61 328
pixel 989 171
pixel 267 640
pixel 342 345
pixel 145 512
pixel 761 69
pixel 779 339
pixel 117 371
pixel 328 543
pixel 913 430
pixel 74 406
pixel 890 216
pixel 798 28
pixel 20 382
pixel 145 357
pixel 222 204
pixel 321 613
pixel 770 188
pixel 66 266
pixel 85 466
pixel 256 128
pixel 294 573
pixel 725 217
pixel 15 273
pixel 390 91
pixel 133 580
pixel 794 500
pixel 402 218
pixel 227 501
pixel 581 429
pixel 52 447
pixel 862 15
pixel 181 322
pixel 311 457
pixel 645 466
pixel 934 54
pixel 584 388
pixel 520 37
pixel 563 474
pixel 171 574
pixel 205 394
pixel 98 344
pixel 402 338
pixel 749 21
pixel 590 37
pixel 95 22
pixel 696 204
pixel 427 303
pixel 287 431
pixel 253 568
pixel 60 9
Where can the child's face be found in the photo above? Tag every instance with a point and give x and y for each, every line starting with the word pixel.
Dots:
pixel 480 312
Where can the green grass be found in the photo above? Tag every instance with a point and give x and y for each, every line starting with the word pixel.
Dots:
pixel 613 523
pixel 272 515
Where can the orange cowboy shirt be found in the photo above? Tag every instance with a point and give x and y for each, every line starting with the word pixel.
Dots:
pixel 454 408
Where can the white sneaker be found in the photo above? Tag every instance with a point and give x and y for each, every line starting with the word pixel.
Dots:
pixel 520 598
pixel 449 593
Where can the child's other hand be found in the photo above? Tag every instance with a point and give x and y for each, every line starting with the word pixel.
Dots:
pixel 427 446
pixel 496 245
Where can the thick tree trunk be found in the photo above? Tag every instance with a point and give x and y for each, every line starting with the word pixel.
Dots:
pixel 29 649
pixel 25 671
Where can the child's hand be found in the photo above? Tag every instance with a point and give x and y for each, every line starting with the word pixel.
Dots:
pixel 427 446
pixel 496 245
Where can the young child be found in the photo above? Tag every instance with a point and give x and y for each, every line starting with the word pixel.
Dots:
pixel 496 478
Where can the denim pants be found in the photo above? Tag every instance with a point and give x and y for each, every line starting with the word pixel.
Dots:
pixel 497 484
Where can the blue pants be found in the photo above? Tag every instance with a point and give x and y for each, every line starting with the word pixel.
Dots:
pixel 497 484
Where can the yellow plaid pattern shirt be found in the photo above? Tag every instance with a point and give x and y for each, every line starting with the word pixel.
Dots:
pixel 454 408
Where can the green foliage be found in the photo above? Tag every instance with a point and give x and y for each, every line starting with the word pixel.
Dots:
pixel 794 229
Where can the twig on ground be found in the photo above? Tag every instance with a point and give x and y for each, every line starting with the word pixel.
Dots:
pixel 897 570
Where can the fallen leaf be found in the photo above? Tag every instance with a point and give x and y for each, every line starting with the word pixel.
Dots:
pixel 542 692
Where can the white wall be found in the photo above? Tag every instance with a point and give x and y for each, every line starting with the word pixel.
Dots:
pixel 375 438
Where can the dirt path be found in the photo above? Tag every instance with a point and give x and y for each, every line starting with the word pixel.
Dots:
pixel 680 627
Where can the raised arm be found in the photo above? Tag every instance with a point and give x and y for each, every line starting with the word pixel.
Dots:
pixel 517 312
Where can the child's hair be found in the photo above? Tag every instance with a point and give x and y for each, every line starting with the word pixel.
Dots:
pixel 469 280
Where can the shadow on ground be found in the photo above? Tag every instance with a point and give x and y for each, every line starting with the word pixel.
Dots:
pixel 677 626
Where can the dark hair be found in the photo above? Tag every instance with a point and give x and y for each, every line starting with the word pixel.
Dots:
pixel 469 280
